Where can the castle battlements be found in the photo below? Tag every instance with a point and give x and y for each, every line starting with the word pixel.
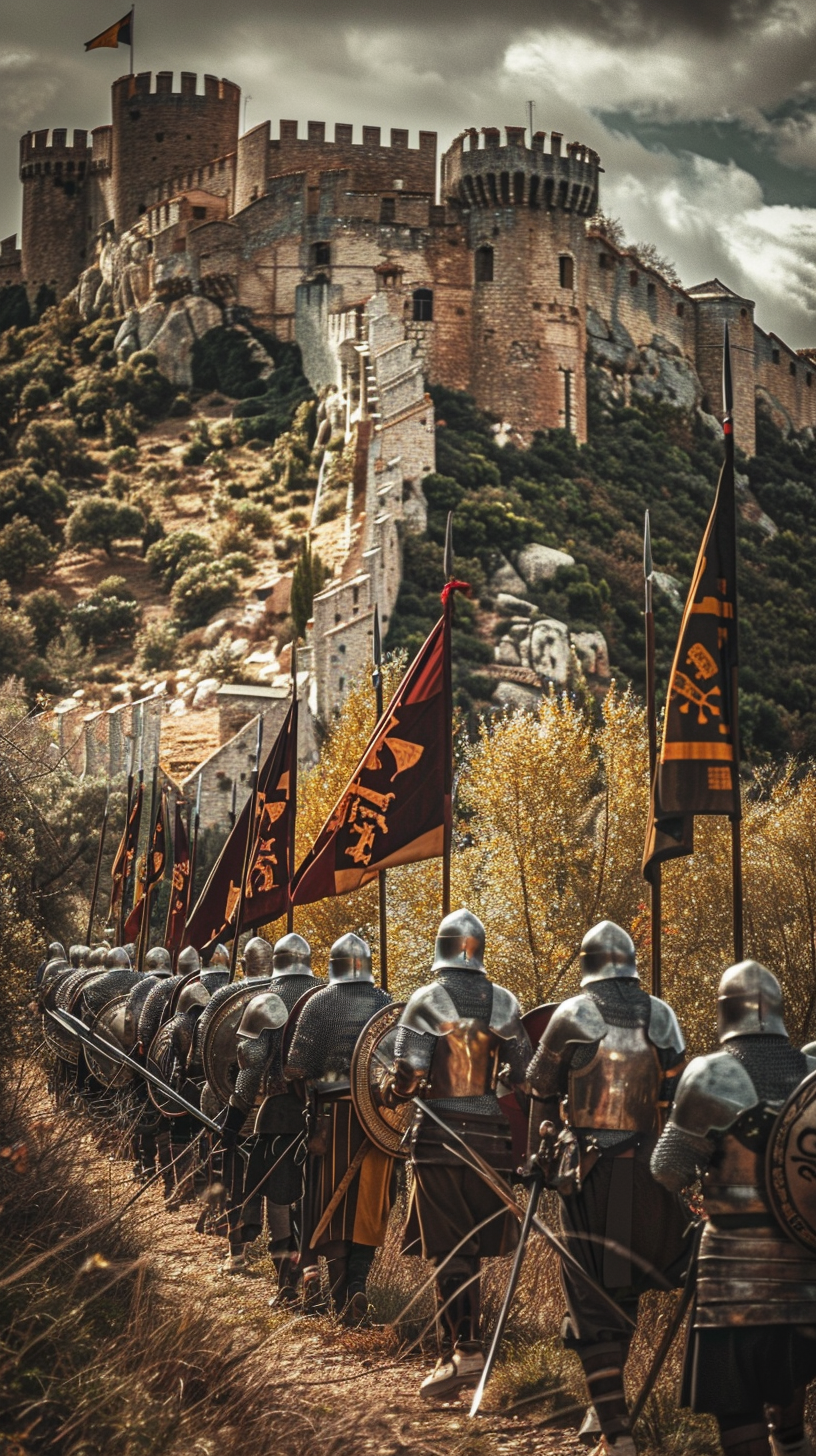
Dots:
pixel 515 175
pixel 140 90
pixel 40 151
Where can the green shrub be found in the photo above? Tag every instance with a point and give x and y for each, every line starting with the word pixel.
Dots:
pixel 238 561
pixel 176 553
pixel 123 456
pixel 23 548
pixel 200 446
pixel 54 445
pixel 40 499
pixel 234 536
pixel 47 613
pixel 258 517
pixel 34 396
pixel 121 427
pixel 223 360
pixel 202 591
pixel 15 312
pixel 108 615
pixel 98 522
pixel 156 647
pixel 308 579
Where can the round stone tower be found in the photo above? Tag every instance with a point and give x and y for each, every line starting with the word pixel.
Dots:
pixel 56 178
pixel 163 133
pixel 526 210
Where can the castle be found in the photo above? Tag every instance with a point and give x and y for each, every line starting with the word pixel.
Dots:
pixel 492 271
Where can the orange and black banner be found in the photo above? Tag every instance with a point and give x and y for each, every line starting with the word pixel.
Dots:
pixel 398 801
pixel 151 866
pixel 119 34
pixel 179 892
pixel 697 768
pixel 122 868
pixel 213 915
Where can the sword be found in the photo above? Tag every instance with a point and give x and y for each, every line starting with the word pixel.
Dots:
pixel 532 1203
pixel 499 1187
pixel 677 1317
pixel 98 1044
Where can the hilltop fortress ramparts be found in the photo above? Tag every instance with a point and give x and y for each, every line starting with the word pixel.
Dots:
pixel 494 271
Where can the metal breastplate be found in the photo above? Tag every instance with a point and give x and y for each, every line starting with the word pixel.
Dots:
pixel 734 1181
pixel 620 1088
pixel 465 1060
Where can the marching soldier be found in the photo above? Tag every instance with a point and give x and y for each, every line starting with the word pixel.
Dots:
pixel 347 1197
pixel 455 1037
pixel 274 1173
pixel 607 1064
pixel 753 1345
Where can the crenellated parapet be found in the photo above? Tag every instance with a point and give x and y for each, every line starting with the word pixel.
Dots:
pixel 485 174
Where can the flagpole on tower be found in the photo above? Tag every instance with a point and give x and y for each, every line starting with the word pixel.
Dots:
pixel 655 893
pixel 132 40
pixel 377 680
pixel 448 691
pixel 293 790
pixel 736 818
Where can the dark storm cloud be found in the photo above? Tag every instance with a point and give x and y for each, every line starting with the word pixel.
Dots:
pixel 702 110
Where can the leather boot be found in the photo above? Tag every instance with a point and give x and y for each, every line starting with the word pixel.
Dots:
pixel 749 1440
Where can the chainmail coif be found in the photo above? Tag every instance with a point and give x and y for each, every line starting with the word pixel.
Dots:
pixel 774 1066
pixel 328 1028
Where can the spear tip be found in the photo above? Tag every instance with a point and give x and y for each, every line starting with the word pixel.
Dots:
pixel 448 560
pixel 728 387
pixel 377 644
pixel 648 567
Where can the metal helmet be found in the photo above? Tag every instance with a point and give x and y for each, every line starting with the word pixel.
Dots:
pixel 257 957
pixel 131 949
pixel 158 961
pixel 97 956
pixel 292 956
pixel 220 956
pixel 78 955
pixel 192 995
pixel 55 951
pixel 460 943
pixel 266 1012
pixel 350 959
pixel 116 958
pixel 188 961
pixel 749 1003
pixel 607 954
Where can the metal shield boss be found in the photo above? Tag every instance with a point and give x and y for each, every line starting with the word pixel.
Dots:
pixel 790 1165
pixel 371 1063
pixel 219 1048
pixel 161 1060
pixel 109 1024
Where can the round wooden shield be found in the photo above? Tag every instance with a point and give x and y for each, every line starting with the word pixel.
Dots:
pixel 161 1060
pixel 370 1064
pixel 219 1052
pixel 535 1023
pixel 109 1024
pixel 59 1041
pixel 790 1165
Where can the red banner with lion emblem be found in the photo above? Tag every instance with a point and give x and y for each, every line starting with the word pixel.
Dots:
pixel 697 768
pixel 179 889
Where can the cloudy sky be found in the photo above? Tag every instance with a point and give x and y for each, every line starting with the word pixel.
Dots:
pixel 703 111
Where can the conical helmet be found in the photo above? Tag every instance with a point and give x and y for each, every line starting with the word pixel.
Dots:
pixel 607 954
pixel 460 943
pixel 292 956
pixel 350 959
pixel 749 1002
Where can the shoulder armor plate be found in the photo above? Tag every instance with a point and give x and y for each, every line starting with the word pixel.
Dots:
pixel 505 1019
pixel 430 1011
pixel 664 1028
pixel 576 1020
pixel 712 1093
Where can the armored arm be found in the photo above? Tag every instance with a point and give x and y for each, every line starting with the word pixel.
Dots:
pixel 304 1061
pixel 516 1048
pixel 712 1093
pixel 666 1036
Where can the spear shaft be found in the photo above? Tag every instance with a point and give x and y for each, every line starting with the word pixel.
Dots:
pixel 293 790
pixel 97 868
pixel 736 819
pixel 250 839
pixel 377 680
pixel 448 690
pixel 656 887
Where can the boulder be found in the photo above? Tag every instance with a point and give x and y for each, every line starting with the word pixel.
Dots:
pixel 173 346
pixel 215 631
pixel 592 653
pixel 127 335
pixel 150 321
pixel 667 376
pixel 540 563
pixel 670 587
pixel 549 650
pixel 204 315
pixel 239 647
pixel 516 695
pixel 89 285
pixel 507 652
pixel 505 578
pixel 205 693
pixel 516 606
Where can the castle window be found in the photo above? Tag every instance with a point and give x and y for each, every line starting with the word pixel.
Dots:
pixel 633 277
pixel 312 201
pixel 484 265
pixel 603 260
pixel 159 136
pixel 388 209
pixel 792 367
pixel 341 684
pixel 651 289
pixel 199 212
pixel 775 355
pixel 681 308
pixel 355 595
pixel 321 255
pixel 423 306
pixel 743 313
pixel 809 380
pixel 566 271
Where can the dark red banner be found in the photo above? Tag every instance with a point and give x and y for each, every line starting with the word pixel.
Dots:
pixel 177 905
pixel 122 868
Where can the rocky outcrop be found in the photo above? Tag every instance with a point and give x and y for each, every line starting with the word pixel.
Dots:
pixel 657 372
pixel 540 563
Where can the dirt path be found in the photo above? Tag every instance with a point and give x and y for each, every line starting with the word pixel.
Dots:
pixel 328 1369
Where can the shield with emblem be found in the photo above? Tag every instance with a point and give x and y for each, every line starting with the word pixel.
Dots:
pixel 109 1024
pixel 371 1063
pixel 60 1042
pixel 790 1165
pixel 535 1023
pixel 219 1047
pixel 161 1059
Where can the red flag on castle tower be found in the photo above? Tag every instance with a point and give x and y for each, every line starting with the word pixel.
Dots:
pixel 121 33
